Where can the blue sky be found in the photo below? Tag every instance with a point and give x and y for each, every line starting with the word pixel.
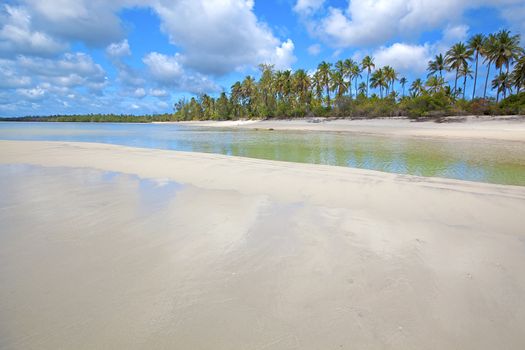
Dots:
pixel 140 56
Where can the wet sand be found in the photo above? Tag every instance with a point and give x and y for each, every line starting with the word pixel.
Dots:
pixel 106 246
pixel 505 128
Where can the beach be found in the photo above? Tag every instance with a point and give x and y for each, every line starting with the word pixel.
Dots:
pixel 503 128
pixel 109 246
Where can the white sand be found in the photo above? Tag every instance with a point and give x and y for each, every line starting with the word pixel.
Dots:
pixel 509 128
pixel 256 254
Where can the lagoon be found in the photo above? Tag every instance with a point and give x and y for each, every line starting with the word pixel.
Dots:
pixel 492 161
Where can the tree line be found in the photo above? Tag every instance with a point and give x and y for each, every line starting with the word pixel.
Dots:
pixel 360 89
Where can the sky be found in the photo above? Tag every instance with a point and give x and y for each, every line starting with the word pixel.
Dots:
pixel 141 56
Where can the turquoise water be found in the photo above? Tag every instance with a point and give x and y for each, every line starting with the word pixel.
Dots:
pixel 473 160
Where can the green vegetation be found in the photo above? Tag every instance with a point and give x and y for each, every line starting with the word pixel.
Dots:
pixel 344 89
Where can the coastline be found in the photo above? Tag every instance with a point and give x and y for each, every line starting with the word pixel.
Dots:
pixel 312 256
pixel 504 128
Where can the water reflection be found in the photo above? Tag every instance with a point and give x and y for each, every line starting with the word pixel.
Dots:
pixel 486 161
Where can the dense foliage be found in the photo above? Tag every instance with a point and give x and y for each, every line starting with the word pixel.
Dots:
pixel 358 89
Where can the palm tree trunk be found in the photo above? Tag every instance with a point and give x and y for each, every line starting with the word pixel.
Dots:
pixel 464 85
pixel 367 81
pixel 475 76
pixel 356 87
pixel 456 83
pixel 328 96
pixel 487 81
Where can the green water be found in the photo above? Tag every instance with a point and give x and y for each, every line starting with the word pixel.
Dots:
pixel 474 160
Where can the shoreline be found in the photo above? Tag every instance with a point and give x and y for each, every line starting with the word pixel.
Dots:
pixel 192 168
pixel 503 128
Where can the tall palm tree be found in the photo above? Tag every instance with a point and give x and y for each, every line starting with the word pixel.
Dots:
pixel 417 87
pixel 465 72
pixel 301 85
pixel 349 65
pixel 490 49
pixel 379 80
pixel 356 73
pixel 235 97
pixel 456 58
pixel 437 65
pixel 390 77
pixel 368 65
pixel 338 83
pixel 476 45
pixel 508 49
pixel 403 82
pixel 324 69
pixel 518 74
pixel 248 90
pixel 317 86
pixel 501 83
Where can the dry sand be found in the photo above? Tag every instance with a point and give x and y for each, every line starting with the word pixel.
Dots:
pixel 508 128
pixel 252 254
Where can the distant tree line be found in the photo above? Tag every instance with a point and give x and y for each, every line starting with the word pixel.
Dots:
pixel 360 89
pixel 94 118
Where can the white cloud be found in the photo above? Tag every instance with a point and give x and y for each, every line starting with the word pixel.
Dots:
pixel 163 68
pixel 72 69
pixel 307 7
pixel 120 49
pixel 372 22
pixel 17 36
pixel 140 93
pixel 36 93
pixel 94 22
pixel 405 58
pixel 220 36
pixel 314 49
pixel 169 71
pixel 158 92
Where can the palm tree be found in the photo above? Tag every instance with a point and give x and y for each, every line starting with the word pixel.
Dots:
pixel 368 64
pixel 508 49
pixel 349 65
pixel 301 85
pixel 356 73
pixel 403 82
pixel 465 72
pixel 518 74
pixel 390 77
pixel 435 84
pixel 476 45
pixel 317 86
pixel 417 87
pixel 324 69
pixel 248 89
pixel 338 83
pixel 379 80
pixel 437 65
pixel 501 83
pixel 490 49
pixel 362 88
pixel 456 58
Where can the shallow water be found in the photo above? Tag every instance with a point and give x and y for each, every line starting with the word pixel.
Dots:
pixel 473 160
